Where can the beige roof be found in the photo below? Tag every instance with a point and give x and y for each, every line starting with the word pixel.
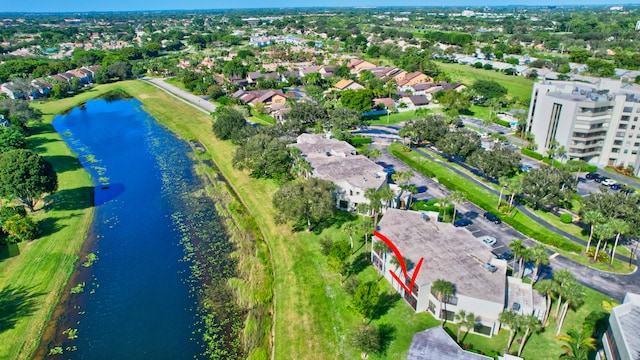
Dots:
pixel 449 253
pixel 343 84
pixel 336 161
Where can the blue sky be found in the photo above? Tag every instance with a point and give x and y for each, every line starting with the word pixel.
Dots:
pixel 128 5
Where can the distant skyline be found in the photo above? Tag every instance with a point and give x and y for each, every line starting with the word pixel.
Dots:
pixel 141 5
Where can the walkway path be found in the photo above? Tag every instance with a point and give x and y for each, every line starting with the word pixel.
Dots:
pixel 184 96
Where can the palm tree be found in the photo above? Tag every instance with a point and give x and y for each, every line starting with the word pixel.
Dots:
pixel 378 200
pixel 603 231
pixel 561 278
pixel 518 249
pixel 503 181
pixel 578 345
pixel 456 198
pixel 466 320
pixel 592 217
pixel 619 227
pixel 366 226
pixel 533 326
pixel 515 187
pixel 512 320
pixel 382 248
pixel 443 290
pixel 540 256
pixel 444 202
pixel 549 288
pixel 574 296
pixel 349 228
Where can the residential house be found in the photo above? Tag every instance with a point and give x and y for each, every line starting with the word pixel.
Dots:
pixel 412 79
pixel 452 254
pixel 414 101
pixel 337 161
pixel 345 84
pixel 621 341
pixel 357 65
pixel 11 92
pixel 252 77
pixel 266 97
pixel 83 74
pixel 387 102
pixel 41 88
pixel 435 343
pixel 4 122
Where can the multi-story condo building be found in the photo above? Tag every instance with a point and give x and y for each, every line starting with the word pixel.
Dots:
pixel 597 123
pixel 622 339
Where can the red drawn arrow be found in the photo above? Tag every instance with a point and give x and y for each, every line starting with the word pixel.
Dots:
pixel 398 255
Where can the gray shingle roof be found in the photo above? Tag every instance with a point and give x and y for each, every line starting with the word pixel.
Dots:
pixel 436 344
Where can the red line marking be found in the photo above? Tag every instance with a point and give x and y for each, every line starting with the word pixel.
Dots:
pixel 398 255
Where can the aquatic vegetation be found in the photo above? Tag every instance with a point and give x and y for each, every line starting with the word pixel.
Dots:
pixel 90 259
pixel 56 350
pixel 71 333
pixel 78 288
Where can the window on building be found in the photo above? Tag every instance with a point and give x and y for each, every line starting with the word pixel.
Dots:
pixel 617 142
pixel 625 118
pixel 620 134
pixel 344 204
pixel 625 151
pixel 350 192
pixel 635 118
pixel 615 150
pixel 553 126
pixel 451 300
pixel 411 300
pixel 482 329
pixel 622 126
pixel 627 109
pixel 634 152
pixel 633 127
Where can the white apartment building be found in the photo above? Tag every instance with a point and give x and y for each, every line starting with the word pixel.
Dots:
pixel 622 339
pixel 596 122
pixel 455 255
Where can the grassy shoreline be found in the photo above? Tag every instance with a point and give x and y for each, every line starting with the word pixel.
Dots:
pixel 32 282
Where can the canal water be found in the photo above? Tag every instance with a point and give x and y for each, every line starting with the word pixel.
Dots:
pixel 138 301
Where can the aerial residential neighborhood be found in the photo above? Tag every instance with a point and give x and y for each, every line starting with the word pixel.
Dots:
pixel 447 182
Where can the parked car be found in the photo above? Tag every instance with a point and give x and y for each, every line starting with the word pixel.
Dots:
pixel 492 217
pixel 581 179
pixel 490 268
pixel 462 222
pixel 507 255
pixel 592 176
pixel 609 182
pixel 615 187
pixel 488 240
pixel 600 178
pixel 525 168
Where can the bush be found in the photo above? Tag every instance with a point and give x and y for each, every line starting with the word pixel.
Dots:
pixel 531 153
pixel 566 218
pixel 360 140
pixel 503 123
pixel 556 163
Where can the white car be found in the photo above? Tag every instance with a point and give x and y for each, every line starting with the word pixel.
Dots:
pixel 609 182
pixel 488 240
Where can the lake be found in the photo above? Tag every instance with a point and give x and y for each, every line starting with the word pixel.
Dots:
pixel 140 297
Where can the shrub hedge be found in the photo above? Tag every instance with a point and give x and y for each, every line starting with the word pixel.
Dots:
pixel 566 218
pixel 532 154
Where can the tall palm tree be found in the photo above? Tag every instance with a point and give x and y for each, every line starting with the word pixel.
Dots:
pixel 460 317
pixel 515 187
pixel 539 256
pixel 443 290
pixel 444 202
pixel 620 227
pixel 533 326
pixel 503 181
pixel 603 231
pixel 349 228
pixel 578 345
pixel 512 320
pixel 592 217
pixel 518 249
pixel 456 197
pixel 366 226
pixel 574 296
pixel 378 201
pixel 561 278
pixel 382 248
pixel 549 288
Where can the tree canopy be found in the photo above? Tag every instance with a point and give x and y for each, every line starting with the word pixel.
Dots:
pixel 265 156
pixel 489 89
pixel 547 186
pixel 11 138
pixel 309 200
pixel 26 177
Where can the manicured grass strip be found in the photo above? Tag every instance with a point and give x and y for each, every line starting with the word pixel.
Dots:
pixel 393 118
pixel 264 118
pixel 32 282
pixel 517 86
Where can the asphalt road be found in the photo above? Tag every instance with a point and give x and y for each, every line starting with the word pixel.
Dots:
pixel 613 285
pixel 186 97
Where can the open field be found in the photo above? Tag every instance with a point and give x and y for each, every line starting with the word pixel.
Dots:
pixel 518 86
pixel 31 283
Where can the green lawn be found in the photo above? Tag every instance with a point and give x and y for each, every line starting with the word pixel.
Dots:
pixel 177 83
pixel 32 282
pixel 393 118
pixel 518 86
